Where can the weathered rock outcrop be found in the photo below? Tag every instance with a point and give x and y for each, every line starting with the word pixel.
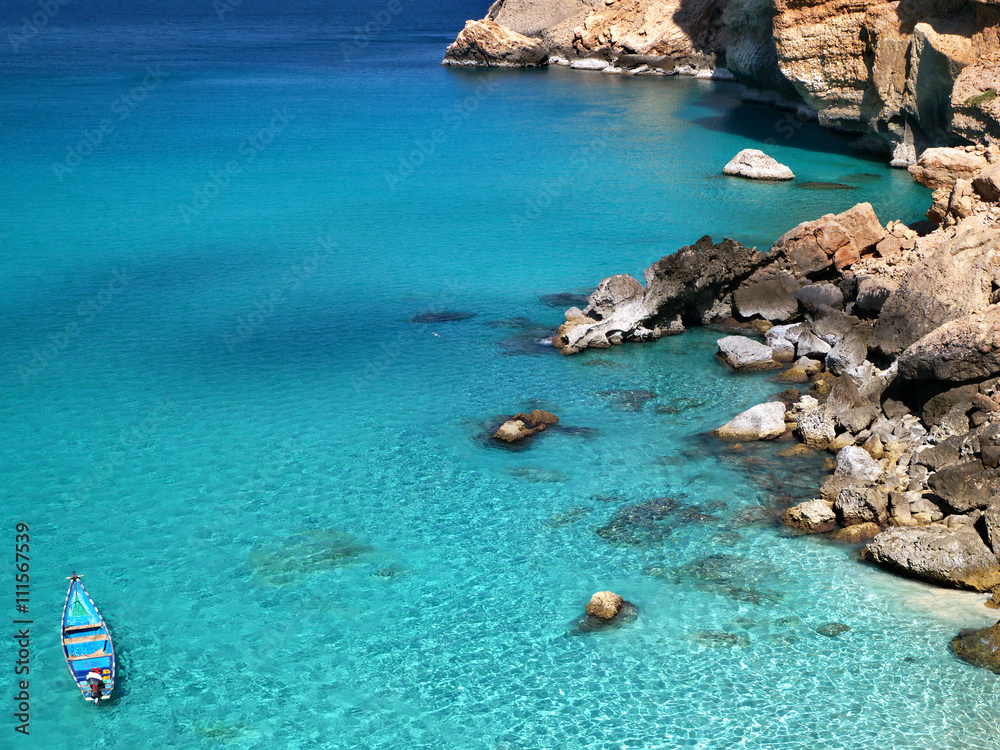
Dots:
pixel 756 165
pixel 954 557
pixel 487 43
pixel 907 75
pixel 954 281
pixel 961 350
pixel 761 422
pixel 522 425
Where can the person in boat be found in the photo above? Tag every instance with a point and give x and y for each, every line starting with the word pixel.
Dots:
pixel 96 682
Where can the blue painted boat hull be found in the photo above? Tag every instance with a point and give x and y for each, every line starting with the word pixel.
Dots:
pixel 86 640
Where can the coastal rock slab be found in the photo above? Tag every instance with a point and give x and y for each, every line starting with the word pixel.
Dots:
pixel 941 167
pixel 487 43
pixel 832 240
pixel 961 350
pixel 756 165
pixel 810 517
pixel 742 353
pixel 951 557
pixel 967 486
pixel 956 280
pixel 761 422
pixel 771 298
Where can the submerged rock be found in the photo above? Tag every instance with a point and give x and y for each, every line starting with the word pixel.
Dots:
pixel 981 648
pixel 832 629
pixel 305 553
pixel 441 316
pixel 628 399
pixel 756 165
pixel 646 524
pixel 738 578
pixel 537 474
pixel 523 425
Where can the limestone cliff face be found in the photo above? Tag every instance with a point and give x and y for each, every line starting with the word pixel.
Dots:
pixel 905 74
pixel 631 35
pixel 909 74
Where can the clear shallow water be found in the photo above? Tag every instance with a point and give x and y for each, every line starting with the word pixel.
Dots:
pixel 264 467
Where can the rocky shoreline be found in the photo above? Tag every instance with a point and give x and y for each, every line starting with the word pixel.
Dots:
pixel 895 332
pixel 903 76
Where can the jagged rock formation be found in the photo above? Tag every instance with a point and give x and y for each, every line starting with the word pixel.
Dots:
pixel 896 333
pixel 906 74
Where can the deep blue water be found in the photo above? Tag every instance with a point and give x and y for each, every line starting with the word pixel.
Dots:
pixel 217 235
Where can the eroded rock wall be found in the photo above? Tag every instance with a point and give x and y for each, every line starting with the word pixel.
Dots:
pixel 904 74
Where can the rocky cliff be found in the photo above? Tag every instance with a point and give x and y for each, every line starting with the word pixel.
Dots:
pixel 904 74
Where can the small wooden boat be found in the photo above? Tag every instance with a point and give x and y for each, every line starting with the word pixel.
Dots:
pixel 86 640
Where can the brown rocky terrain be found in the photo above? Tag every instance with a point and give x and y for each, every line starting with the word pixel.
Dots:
pixel 904 74
pixel 895 329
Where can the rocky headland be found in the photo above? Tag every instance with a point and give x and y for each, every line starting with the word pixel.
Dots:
pixel 905 76
pixel 890 332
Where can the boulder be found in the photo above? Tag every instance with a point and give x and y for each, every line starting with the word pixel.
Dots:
pixel 604 605
pixel 862 532
pixel 955 281
pixel 873 291
pixel 987 184
pixel 813 246
pixel 855 505
pixel 695 283
pixel 991 524
pixel 960 350
pixel 742 353
pixel 814 423
pixel 951 557
pixel 522 425
pixel 611 292
pixel 772 298
pixel 487 43
pixel 810 517
pixel 940 167
pixel 761 422
pixel 756 165
pixel 981 648
pixel 964 487
pixel 825 294
pixel 857 466
pixel 848 353
pixel 512 431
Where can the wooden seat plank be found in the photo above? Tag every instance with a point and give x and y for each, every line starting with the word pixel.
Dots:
pixel 74 628
pixel 88 656
pixel 86 639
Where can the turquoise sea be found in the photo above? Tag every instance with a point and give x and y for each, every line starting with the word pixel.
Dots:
pixel 268 279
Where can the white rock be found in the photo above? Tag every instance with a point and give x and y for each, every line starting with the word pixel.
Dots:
pixel 761 422
pixel 590 63
pixel 721 74
pixel 756 165
pixel 742 353
pixel 855 462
